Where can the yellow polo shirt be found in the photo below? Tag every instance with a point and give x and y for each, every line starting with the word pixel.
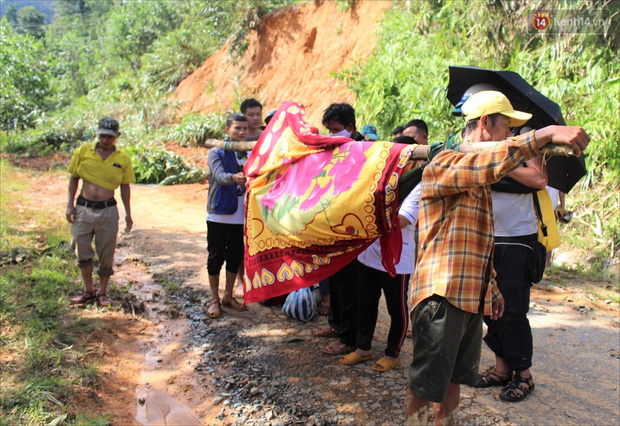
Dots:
pixel 87 164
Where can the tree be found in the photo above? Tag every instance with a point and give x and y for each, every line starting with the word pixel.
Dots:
pixel 23 80
pixel 11 15
pixel 85 9
pixel 31 21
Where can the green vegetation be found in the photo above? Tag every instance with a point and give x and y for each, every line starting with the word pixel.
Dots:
pixel 105 57
pixel 24 83
pixel 407 75
pixel 41 341
pixel 195 129
pixel 152 164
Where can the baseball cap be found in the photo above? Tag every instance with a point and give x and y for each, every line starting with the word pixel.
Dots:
pixel 472 90
pixel 490 102
pixel 108 126
pixel 370 131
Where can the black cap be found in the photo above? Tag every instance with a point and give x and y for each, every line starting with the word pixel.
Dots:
pixel 405 139
pixel 108 126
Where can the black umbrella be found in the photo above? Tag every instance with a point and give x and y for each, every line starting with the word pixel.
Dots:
pixel 564 172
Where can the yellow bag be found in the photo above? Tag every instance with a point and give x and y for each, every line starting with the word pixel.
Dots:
pixel 548 233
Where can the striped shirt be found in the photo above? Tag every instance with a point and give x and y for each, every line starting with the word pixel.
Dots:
pixel 455 257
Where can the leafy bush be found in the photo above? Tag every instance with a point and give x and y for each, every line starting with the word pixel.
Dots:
pixel 69 129
pixel 153 164
pixel 407 75
pixel 24 83
pixel 195 129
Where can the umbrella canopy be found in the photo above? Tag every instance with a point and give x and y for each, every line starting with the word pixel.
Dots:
pixel 564 172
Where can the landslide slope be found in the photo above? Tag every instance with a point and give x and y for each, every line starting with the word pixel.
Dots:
pixel 291 56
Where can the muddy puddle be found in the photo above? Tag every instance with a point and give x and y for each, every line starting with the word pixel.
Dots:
pixel 162 356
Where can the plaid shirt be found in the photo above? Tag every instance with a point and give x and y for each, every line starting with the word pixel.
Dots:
pixel 455 258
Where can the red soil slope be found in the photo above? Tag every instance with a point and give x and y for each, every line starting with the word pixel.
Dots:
pixel 290 57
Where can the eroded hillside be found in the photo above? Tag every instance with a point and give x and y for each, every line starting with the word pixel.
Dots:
pixel 290 56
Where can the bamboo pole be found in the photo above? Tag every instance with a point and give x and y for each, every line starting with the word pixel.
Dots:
pixel 549 150
pixel 420 152
pixel 229 145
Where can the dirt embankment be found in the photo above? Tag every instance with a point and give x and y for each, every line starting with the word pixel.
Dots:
pixel 290 56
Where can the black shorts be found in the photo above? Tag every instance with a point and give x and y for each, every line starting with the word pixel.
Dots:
pixel 224 244
pixel 446 348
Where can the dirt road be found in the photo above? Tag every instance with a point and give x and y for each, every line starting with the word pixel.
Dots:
pixel 171 363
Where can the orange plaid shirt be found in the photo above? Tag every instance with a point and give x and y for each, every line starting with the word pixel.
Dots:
pixel 455 257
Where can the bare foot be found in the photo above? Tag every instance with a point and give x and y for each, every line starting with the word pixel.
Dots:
pixel 326 332
pixel 338 348
pixel 238 291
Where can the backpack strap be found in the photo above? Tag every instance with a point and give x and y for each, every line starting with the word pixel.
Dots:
pixel 543 227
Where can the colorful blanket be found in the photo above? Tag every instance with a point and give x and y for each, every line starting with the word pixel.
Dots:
pixel 314 203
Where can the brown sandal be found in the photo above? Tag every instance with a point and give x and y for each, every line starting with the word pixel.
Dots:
pixel 104 302
pixel 215 310
pixel 83 298
pixel 234 305
pixel 492 377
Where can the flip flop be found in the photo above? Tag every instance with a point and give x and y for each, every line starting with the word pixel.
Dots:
pixel 385 364
pixel 234 305
pixel 338 348
pixel 215 310
pixel 353 358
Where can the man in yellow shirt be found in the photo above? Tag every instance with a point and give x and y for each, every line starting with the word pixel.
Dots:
pixel 102 169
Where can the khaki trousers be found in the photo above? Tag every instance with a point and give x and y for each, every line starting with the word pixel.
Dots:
pixel 102 224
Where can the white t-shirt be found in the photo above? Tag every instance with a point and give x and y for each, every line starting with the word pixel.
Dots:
pixel 513 214
pixel 555 196
pixel 237 218
pixel 371 257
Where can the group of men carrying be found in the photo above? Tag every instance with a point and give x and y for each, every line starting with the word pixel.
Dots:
pixel 453 285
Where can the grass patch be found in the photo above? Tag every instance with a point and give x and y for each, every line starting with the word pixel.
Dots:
pixel 40 339
pixel 580 277
pixel 25 224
